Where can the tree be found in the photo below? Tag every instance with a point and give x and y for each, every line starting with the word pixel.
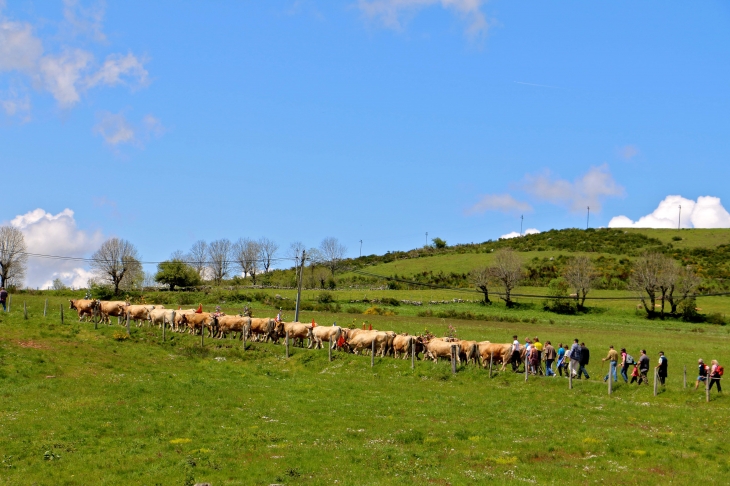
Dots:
pixel 116 262
pixel 580 274
pixel 13 256
pixel 687 283
pixel 219 256
pixel 176 273
pixel 481 278
pixel 439 243
pixel 645 279
pixel 507 270
pixel 332 253
pixel 198 257
pixel 58 284
pixel 267 249
pixel 246 253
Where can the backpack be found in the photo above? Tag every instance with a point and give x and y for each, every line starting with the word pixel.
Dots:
pixel 630 360
pixel 719 370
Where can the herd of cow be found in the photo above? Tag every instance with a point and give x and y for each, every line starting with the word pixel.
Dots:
pixel 358 341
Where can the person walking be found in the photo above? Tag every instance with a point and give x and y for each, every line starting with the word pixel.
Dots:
pixel 635 375
pixel 515 358
pixel 702 370
pixel 612 359
pixel 575 358
pixel 561 358
pixel 625 364
pixel 716 372
pixel 661 368
pixel 643 368
pixel 538 347
pixel 549 351
pixel 585 356
pixel 3 297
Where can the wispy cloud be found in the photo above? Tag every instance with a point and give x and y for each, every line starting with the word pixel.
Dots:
pixel 590 189
pixel 116 130
pixel 504 203
pixel 394 14
pixel 628 152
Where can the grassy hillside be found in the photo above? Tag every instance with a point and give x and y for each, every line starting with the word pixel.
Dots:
pixel 80 407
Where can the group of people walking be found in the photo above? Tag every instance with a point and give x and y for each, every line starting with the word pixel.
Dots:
pixel 572 361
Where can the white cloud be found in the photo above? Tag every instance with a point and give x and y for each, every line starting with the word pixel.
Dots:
pixel 515 234
pixel 49 234
pixel 588 190
pixel 394 13
pixel 20 50
pixel 15 104
pixel 62 73
pixel 499 202
pixel 706 212
pixel 116 68
pixel 628 152
pixel 115 129
pixel 85 20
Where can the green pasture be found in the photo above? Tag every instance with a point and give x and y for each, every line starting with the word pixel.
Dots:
pixel 690 238
pixel 81 407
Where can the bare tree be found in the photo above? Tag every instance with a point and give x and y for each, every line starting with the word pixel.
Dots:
pixel 507 270
pixel 685 286
pixel 13 256
pixel 333 252
pixel 198 257
pixel 268 249
pixel 580 274
pixel 219 256
pixel 115 260
pixel 481 278
pixel 246 255
pixel 645 279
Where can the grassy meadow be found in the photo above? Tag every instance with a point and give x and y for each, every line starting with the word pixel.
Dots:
pixel 81 407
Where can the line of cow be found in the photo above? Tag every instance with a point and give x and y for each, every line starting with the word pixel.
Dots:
pixel 357 341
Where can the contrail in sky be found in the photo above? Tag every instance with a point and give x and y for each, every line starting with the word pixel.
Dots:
pixel 539 85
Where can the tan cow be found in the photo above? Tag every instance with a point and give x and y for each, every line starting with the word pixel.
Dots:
pixel 233 324
pixel 363 340
pixel 298 332
pixel 138 313
pixel 498 352
pixel 402 343
pixel 195 322
pixel 439 348
pixel 469 351
pixel 325 333
pixel 84 307
pixel 111 308
pixel 262 329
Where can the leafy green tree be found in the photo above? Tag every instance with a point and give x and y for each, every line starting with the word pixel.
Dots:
pixel 439 243
pixel 176 273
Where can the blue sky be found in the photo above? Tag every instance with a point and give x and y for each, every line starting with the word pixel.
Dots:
pixel 381 120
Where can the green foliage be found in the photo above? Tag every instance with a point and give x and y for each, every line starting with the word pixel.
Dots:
pixel 438 243
pixel 176 273
pixel 325 298
pixel 559 301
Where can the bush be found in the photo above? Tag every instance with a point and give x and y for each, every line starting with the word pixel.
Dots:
pixel 390 301
pixel 439 243
pixel 716 318
pixel 379 311
pixel 325 298
pixel 354 310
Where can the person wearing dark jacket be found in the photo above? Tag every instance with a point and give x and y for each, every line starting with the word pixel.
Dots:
pixel 661 368
pixel 643 368
pixel 3 297
pixel 574 358
pixel 585 356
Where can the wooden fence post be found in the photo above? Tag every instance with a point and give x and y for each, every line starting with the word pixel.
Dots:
pixel 570 378
pixel 491 357
pixel 61 313
pixel 25 311
pixel 707 387
pixel 329 351
pixel 128 332
pixel 656 373
pixel 453 359
pixel 45 308
pixel 610 380
pixel 413 354
pixel 244 331
pixel 202 335
pixel 286 343
pixel 685 376
pixel 10 299
pixel 372 353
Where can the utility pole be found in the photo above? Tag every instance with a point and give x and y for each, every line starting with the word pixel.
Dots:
pixel 299 287
pixel 360 247
pixel 588 217
pixel 426 238
pixel 522 218
pixel 679 221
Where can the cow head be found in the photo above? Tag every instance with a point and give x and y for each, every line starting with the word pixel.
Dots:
pixel 73 305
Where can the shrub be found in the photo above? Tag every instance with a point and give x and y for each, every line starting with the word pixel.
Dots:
pixel 325 298
pixel 379 311
pixel 439 243
pixel 716 318
pixel 120 336
pixel 390 301
pixel 353 310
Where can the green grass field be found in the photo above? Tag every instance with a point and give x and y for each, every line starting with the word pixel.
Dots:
pixel 80 407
